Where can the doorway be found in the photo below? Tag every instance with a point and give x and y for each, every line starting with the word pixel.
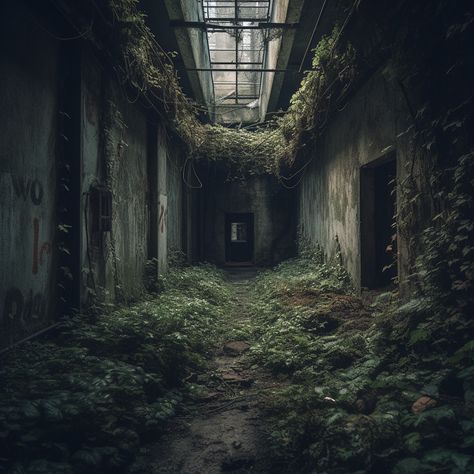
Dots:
pixel 239 239
pixel 377 228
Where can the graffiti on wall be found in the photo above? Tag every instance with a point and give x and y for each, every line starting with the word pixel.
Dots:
pixel 22 308
pixel 39 250
pixel 26 188
pixel 162 234
pixel 162 218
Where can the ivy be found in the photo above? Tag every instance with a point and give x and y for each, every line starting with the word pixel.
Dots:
pixel 88 400
pixel 351 375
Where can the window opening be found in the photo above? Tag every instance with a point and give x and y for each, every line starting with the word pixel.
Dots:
pixel 236 36
pixel 238 232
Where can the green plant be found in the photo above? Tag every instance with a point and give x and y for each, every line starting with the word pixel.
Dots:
pixel 87 400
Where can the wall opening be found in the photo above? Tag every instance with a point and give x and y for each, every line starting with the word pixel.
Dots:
pixel 377 222
pixel 239 238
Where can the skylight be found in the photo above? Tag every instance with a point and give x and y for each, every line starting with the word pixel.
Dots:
pixel 237 32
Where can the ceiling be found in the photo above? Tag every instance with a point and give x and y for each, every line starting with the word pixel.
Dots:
pixel 240 60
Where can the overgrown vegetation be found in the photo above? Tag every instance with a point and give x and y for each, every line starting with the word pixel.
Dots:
pixel 276 145
pixel 142 66
pixel 87 400
pixel 370 389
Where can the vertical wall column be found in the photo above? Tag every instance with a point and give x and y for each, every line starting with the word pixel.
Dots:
pixel 162 201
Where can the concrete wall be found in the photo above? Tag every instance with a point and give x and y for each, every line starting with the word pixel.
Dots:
pixel 28 165
pixel 272 206
pixel 273 59
pixel 370 126
pixel 143 171
pixel 175 198
pixel 92 172
pixel 113 261
pixel 68 128
pixel 130 205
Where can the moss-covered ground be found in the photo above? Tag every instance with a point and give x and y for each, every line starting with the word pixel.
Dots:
pixel 371 388
pixel 338 385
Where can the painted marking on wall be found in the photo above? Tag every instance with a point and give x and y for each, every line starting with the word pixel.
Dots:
pixel 28 188
pixel 162 218
pixel 18 307
pixel 162 234
pixel 38 252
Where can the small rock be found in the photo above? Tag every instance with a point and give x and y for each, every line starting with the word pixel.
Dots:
pixel 209 396
pixel 236 348
pixel 236 444
pixel 423 403
pixel 237 379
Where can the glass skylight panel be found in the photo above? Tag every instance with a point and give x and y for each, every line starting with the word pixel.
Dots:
pixel 237 48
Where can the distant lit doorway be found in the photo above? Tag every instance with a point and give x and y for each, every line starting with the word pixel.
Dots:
pixel 377 229
pixel 239 239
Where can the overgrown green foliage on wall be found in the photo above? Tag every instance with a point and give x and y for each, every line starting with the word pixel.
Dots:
pixel 87 400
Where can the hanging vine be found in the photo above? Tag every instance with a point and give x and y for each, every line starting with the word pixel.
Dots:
pixel 144 67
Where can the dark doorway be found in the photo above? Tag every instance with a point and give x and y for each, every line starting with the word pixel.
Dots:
pixel 377 230
pixel 239 238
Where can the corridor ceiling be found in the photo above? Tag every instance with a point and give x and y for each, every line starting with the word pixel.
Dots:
pixel 240 60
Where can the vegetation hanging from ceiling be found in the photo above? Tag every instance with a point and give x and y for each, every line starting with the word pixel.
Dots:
pixel 144 67
pixel 276 145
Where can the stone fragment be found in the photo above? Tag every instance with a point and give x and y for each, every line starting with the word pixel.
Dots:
pixel 423 403
pixel 237 379
pixel 236 348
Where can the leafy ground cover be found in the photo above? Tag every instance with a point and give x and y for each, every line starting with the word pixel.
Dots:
pixel 88 399
pixel 379 388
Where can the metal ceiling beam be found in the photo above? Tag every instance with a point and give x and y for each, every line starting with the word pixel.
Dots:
pixel 225 63
pixel 240 19
pixel 208 26
pixel 240 70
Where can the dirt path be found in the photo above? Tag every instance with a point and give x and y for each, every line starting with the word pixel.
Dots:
pixel 223 432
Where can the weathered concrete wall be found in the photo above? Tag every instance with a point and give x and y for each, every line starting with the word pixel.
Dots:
pixel 272 206
pixel 145 176
pixel 192 43
pixel 175 198
pixel 92 173
pixel 162 216
pixel 69 129
pixel 130 205
pixel 28 140
pixel 113 261
pixel 273 56
pixel 370 126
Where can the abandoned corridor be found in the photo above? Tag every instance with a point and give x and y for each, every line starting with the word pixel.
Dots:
pixel 236 236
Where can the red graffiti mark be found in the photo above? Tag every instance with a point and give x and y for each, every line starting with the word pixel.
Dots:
pixel 161 220
pixel 38 252
pixel 35 245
